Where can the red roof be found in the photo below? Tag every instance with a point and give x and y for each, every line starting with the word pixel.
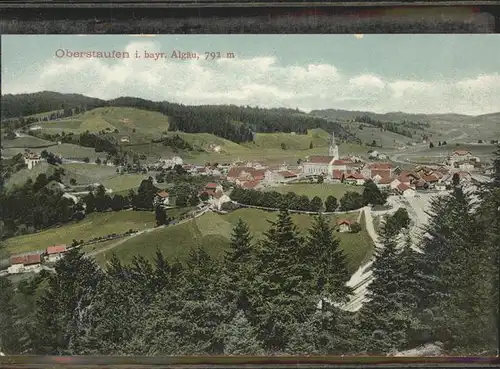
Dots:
pixel 320 159
pixel 255 173
pixel 56 249
pixel 26 259
pixel 341 162
pixel 337 174
pixel 385 180
pixel 211 185
pixel 380 166
pixel 402 187
pixel 381 172
pixel 343 221
pixel 354 175
pixel 287 174
pixel 162 194
pixel 430 178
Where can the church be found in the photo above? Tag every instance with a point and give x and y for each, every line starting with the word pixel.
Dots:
pixel 323 164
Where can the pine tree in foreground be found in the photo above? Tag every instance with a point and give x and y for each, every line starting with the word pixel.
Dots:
pixel 384 320
pixel 329 263
pixel 281 293
pixel 240 337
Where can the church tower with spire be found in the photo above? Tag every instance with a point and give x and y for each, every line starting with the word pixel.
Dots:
pixel 333 150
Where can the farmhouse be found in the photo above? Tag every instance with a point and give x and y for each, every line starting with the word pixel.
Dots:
pixel 26 262
pixel 354 179
pixel 344 225
pixel 212 188
pixel 372 169
pixel 31 159
pixel 239 175
pixel 162 198
pixel 55 253
pixel 218 199
pixel 337 176
pixel 405 190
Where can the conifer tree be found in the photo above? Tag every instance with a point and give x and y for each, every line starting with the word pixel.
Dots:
pixel 9 339
pixel 240 337
pixel 70 289
pixel 323 252
pixel 238 265
pixel 281 294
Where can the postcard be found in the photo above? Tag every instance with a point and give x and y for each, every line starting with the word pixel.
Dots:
pixel 262 195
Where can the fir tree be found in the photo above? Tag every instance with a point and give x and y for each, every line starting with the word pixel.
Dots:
pixel 9 340
pixel 238 265
pixel 281 294
pixel 323 252
pixel 240 337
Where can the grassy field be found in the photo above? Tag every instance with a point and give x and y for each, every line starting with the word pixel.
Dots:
pixel 439 153
pixel 213 232
pixel 321 190
pixel 87 173
pixel 26 142
pixel 94 225
pixel 20 178
pixel 125 120
pixel 123 183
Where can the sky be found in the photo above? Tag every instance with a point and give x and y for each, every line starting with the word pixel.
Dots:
pixel 378 73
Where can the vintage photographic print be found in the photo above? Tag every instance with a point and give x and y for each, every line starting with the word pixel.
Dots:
pixel 250 195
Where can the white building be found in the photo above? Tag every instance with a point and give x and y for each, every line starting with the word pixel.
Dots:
pixel 162 198
pixel 31 159
pixel 322 164
pixel 25 263
pixel 55 253
pixel 218 199
pixel 70 197
pixel 344 225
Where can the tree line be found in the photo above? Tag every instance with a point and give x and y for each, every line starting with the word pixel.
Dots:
pixel 351 200
pixel 231 122
pixel 398 128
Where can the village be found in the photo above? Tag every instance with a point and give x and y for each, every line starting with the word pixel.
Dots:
pixel 327 170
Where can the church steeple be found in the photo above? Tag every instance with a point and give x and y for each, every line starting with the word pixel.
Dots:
pixel 333 150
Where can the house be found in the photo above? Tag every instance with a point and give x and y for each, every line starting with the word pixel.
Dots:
pixel 31 159
pixel 394 184
pixel 26 262
pixel 337 176
pixel 218 199
pixel 55 253
pixel 212 188
pixel 344 225
pixel 124 139
pixel 372 169
pixel 240 174
pixel 162 198
pixel 431 179
pixel 383 182
pixel 405 190
pixel 354 179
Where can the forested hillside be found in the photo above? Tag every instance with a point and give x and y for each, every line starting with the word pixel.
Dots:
pixel 234 123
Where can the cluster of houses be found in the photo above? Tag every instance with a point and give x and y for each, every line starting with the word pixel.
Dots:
pixel 463 160
pixel 34 261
